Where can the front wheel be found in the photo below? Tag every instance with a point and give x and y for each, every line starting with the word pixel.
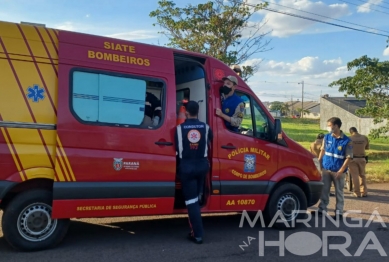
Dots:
pixel 287 203
pixel 27 223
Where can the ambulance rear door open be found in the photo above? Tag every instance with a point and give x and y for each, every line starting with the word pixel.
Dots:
pixel 192 84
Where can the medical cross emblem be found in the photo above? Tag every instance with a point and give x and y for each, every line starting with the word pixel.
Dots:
pixel 194 136
pixel 35 93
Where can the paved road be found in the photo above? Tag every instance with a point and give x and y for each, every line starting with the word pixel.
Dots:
pixel 150 239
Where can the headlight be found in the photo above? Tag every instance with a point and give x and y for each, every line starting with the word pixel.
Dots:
pixel 317 164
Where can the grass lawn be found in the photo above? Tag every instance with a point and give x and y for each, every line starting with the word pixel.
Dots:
pixel 304 131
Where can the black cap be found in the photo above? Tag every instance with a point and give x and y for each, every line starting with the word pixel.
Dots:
pixel 192 107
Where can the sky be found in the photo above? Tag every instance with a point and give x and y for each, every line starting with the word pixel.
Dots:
pixel 301 50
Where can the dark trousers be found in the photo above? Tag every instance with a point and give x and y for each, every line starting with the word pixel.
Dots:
pixel 192 175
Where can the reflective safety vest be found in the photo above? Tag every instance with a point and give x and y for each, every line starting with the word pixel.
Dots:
pixel 192 139
pixel 335 152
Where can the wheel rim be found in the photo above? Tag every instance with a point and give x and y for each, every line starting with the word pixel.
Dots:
pixel 35 223
pixel 289 205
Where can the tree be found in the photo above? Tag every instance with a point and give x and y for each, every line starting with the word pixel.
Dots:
pixel 217 28
pixel 370 82
pixel 285 109
pixel 276 106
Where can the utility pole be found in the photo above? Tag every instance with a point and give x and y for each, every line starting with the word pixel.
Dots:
pixel 302 99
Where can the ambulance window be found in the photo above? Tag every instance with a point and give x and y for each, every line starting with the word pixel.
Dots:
pixel 261 122
pixel 122 100
pixel 246 127
pixel 86 96
pixel 112 100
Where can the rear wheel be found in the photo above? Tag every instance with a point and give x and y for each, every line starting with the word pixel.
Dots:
pixel 287 203
pixel 27 223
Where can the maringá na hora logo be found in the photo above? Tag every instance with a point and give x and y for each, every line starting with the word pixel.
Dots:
pixel 35 93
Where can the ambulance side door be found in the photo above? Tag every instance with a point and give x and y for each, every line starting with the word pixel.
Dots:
pixel 247 158
pixel 112 163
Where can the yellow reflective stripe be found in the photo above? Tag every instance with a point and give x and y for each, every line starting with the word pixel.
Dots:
pixel 13 153
pixel 12 39
pixel 58 169
pixel 61 161
pixel 20 57
pixel 66 159
pixel 53 36
pixel 28 145
pixel 14 109
pixel 49 43
pixel 34 42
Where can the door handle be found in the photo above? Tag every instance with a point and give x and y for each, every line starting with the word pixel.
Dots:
pixel 229 147
pixel 164 143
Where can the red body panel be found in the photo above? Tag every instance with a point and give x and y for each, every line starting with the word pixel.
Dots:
pixel 295 160
pixel 111 207
pixel 91 149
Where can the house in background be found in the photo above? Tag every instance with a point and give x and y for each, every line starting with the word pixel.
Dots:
pixel 312 106
pixel 345 108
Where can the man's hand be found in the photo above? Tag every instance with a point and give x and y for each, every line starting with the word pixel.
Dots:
pixel 219 112
pixel 339 174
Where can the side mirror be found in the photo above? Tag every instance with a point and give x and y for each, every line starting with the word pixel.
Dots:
pixel 277 135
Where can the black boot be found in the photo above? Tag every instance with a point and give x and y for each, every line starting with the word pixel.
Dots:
pixel 197 240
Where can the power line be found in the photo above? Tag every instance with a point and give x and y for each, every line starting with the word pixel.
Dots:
pixel 365 7
pixel 373 4
pixel 290 83
pixel 382 2
pixel 317 20
pixel 320 21
pixel 330 17
pixel 313 97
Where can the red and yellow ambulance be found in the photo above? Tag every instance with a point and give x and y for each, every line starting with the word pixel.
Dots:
pixel 73 143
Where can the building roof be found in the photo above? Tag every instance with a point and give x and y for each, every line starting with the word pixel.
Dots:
pixel 297 104
pixel 350 104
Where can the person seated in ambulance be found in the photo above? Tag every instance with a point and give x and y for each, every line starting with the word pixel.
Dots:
pixel 152 110
pixel 233 107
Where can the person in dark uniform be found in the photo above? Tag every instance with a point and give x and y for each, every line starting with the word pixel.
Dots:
pixel 233 106
pixel 192 142
pixel 152 110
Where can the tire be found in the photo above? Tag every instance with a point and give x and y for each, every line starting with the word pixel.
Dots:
pixel 27 223
pixel 288 199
